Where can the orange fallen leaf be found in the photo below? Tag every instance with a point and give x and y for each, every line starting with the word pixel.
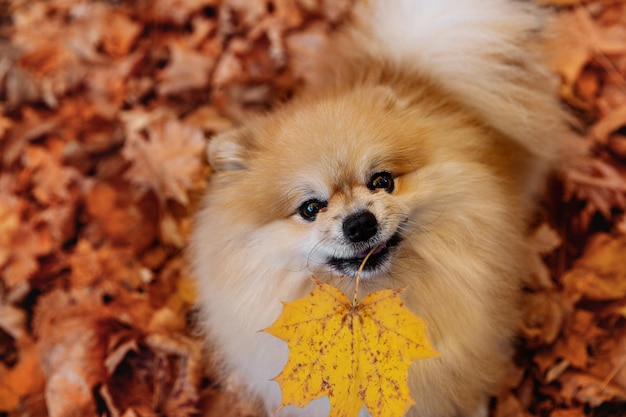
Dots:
pixel 355 353
pixel 600 274
pixel 587 389
pixel 122 33
pixel 166 157
pixel 574 412
pixel 187 69
pixel 23 379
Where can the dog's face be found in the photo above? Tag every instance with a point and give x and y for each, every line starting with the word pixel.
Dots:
pixel 358 220
pixel 339 178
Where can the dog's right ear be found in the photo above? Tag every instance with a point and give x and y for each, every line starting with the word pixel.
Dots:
pixel 229 151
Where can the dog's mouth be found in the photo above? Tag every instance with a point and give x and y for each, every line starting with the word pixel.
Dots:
pixel 377 260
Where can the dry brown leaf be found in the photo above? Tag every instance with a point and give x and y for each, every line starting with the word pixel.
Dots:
pixel 23 379
pixel 114 215
pixel 85 265
pixel 9 223
pixel 229 69
pixel 120 35
pixel 166 158
pixel 52 182
pixel 580 333
pixel 187 69
pixel 59 67
pixel 160 375
pixel 173 11
pixel 609 359
pixel 618 364
pixel 601 272
pixel 33 124
pixel 246 13
pixel 29 241
pixel 91 266
pixel 598 184
pixel 572 412
pixel 69 330
pixel 5 125
pixel 16 84
pixel 95 336
pixel 586 389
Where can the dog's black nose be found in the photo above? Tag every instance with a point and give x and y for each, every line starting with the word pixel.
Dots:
pixel 359 227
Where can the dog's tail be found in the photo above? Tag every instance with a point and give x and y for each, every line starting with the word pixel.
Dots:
pixel 486 53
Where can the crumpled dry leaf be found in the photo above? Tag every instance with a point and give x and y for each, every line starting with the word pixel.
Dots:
pixel 600 274
pixel 589 390
pixel 114 215
pixel 23 243
pixel 77 365
pixel 33 125
pixel 157 374
pixel 598 184
pixel 59 67
pixel 9 223
pixel 573 346
pixel 166 157
pixel 173 11
pixel 121 34
pixel 187 69
pixel 97 343
pixel 23 379
pixel 52 181
pixel 572 412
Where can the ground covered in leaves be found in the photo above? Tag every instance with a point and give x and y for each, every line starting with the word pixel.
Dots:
pixel 104 113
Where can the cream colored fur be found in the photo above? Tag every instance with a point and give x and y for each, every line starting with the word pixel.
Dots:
pixel 438 94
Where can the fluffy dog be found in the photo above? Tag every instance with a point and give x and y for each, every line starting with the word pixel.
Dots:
pixel 427 144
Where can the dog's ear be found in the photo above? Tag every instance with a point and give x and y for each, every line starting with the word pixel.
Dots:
pixel 229 151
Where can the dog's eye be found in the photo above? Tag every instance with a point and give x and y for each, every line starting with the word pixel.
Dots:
pixel 382 180
pixel 309 209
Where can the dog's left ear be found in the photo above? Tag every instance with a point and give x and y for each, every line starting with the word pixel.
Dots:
pixel 229 151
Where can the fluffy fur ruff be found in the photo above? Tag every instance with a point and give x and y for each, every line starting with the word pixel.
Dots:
pixel 447 99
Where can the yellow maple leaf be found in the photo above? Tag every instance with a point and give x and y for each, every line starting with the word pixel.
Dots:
pixel 355 353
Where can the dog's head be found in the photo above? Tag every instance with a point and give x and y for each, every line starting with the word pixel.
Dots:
pixel 339 177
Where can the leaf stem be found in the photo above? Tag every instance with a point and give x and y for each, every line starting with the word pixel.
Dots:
pixel 358 275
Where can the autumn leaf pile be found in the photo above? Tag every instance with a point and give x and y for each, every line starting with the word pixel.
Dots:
pixel 105 111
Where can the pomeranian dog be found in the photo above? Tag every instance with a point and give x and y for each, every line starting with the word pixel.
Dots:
pixel 427 145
